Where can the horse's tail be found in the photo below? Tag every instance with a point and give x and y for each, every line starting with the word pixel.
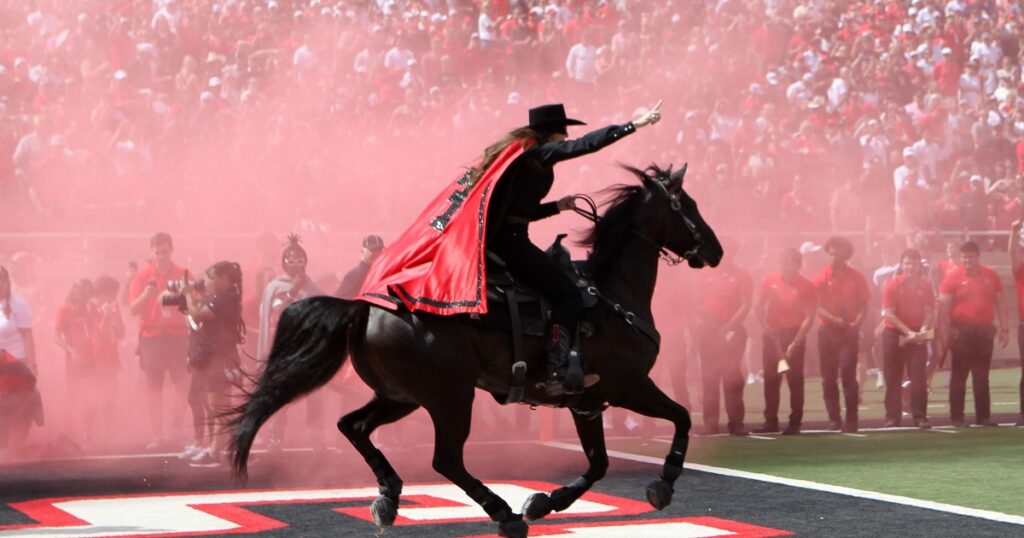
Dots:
pixel 310 346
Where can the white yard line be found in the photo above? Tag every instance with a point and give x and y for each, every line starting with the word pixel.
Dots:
pixel 817 486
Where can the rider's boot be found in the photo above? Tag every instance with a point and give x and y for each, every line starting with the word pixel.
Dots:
pixel 565 364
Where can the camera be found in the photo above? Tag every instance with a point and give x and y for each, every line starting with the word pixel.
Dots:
pixel 177 298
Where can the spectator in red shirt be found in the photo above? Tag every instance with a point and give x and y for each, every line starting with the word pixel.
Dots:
pixel 908 308
pixel 106 342
pixel 724 295
pixel 75 328
pixel 970 299
pixel 163 333
pixel 945 266
pixel 785 307
pixel 1018 279
pixel 842 306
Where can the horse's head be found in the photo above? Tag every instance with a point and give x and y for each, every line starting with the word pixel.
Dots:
pixel 670 218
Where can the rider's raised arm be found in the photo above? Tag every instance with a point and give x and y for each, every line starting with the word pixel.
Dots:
pixel 553 152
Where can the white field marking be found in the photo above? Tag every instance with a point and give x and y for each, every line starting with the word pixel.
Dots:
pixel 944 429
pixel 853 434
pixel 761 437
pixel 946 405
pixel 670 529
pixel 162 514
pixel 817 486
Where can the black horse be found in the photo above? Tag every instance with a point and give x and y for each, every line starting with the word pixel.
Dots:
pixel 412 359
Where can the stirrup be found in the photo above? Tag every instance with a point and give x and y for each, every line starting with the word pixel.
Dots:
pixel 557 388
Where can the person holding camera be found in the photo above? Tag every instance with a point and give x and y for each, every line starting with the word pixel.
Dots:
pixel 163 334
pixel 215 311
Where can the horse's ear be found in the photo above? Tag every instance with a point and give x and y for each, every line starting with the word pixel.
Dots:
pixel 676 179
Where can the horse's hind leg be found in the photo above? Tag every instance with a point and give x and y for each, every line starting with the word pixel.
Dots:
pixel 649 400
pixel 590 429
pixel 451 414
pixel 357 427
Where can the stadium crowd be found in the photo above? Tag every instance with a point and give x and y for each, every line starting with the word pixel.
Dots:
pixel 859 116
pixel 814 110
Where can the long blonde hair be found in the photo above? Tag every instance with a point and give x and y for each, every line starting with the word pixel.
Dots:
pixel 524 134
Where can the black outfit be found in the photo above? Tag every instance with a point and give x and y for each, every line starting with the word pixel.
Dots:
pixel 972 355
pixel 838 348
pixel 721 365
pixel 773 379
pixel 913 359
pixel 353 281
pixel 222 334
pixel 517 201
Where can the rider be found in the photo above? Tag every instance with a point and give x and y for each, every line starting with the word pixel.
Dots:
pixel 517 201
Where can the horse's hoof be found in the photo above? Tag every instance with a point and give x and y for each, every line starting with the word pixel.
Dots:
pixel 384 511
pixel 659 494
pixel 537 506
pixel 515 528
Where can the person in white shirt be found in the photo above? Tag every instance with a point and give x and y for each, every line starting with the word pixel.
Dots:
pixel 371 57
pixel 874 142
pixel 838 90
pixel 909 172
pixel 169 13
pixel 799 92
pixel 970 84
pixel 16 341
pixel 581 64
pixel 928 154
pixel 16 324
pixel 487 26
pixel 397 59
pixel 955 6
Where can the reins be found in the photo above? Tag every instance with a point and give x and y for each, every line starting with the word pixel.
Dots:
pixel 590 213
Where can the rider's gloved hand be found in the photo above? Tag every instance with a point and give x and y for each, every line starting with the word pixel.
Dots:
pixel 566 203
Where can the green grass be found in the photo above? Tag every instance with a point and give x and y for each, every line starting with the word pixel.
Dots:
pixel 978 468
pixel 1003 386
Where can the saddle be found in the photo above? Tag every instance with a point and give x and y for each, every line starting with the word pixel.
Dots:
pixel 517 301
pixel 521 311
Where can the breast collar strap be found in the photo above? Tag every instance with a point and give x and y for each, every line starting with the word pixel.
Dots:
pixel 645 327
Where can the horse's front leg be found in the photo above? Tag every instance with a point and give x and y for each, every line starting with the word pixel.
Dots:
pixel 590 429
pixel 648 400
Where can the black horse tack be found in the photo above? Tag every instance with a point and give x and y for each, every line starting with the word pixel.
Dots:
pixel 420 360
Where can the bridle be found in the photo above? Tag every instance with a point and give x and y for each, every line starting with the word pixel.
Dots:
pixel 675 202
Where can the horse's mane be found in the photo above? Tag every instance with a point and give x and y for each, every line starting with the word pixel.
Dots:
pixel 610 233
pixel 607 237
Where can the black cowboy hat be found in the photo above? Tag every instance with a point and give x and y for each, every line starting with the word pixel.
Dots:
pixel 551 119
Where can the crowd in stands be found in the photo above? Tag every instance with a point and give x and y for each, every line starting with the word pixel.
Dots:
pixel 809 111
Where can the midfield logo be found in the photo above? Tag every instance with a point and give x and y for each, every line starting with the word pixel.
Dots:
pixel 227 512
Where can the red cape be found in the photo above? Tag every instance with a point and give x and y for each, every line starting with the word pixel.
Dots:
pixel 437 265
